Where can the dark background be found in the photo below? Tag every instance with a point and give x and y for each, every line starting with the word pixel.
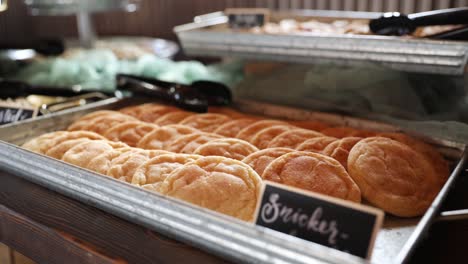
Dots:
pixel 158 17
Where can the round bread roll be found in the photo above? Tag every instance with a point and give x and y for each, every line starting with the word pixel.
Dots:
pixel 293 138
pixel 101 163
pixel 130 132
pixel 440 165
pixel 231 128
pixel 163 136
pixel 225 185
pixel 261 159
pixel 81 154
pixel 392 176
pixel 205 122
pixel 226 147
pixel 43 142
pixel 339 149
pixel 189 143
pixel 313 172
pixel 151 112
pixel 316 144
pixel 264 136
pixel 249 131
pixel 172 118
pixel 124 166
pixel 153 172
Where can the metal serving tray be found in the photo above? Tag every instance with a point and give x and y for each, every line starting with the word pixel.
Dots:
pixel 218 234
pixel 209 35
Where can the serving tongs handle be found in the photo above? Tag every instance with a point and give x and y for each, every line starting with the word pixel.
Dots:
pixel 451 16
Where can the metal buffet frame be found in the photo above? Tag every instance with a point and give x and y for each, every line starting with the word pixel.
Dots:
pixel 220 235
pixel 209 35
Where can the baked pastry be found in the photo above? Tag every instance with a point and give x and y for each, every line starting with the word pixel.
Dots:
pixel 100 124
pixel 151 112
pixel 339 149
pixel 163 136
pixel 264 136
pixel 81 154
pixel 95 114
pixel 101 163
pixel 205 122
pixel 313 172
pixel 172 118
pixel 91 118
pixel 226 111
pixel 432 155
pixel 316 144
pixel 249 131
pixel 225 185
pixel 59 150
pixel 261 159
pixel 189 143
pixel 231 128
pixel 153 172
pixel 341 132
pixel 130 132
pixel 133 110
pixel 293 138
pixel 227 147
pixel 124 166
pixel 392 176
pixel 42 143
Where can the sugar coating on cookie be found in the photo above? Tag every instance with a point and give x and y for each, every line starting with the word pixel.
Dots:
pixel 43 142
pixel 339 149
pixel 130 132
pixel 231 128
pixel 172 118
pixel 151 112
pixel 293 138
pixel 227 147
pixel 261 159
pixel 263 137
pixel 189 143
pixel 83 153
pixel 163 136
pixel 313 172
pixel 249 131
pixel 221 184
pixel 205 122
pixel 316 144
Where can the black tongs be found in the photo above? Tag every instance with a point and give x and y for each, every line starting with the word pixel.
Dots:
pixel 13 89
pixel 195 97
pixel 398 24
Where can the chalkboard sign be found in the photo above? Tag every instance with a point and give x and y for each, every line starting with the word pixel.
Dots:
pixel 10 114
pixel 328 221
pixel 247 18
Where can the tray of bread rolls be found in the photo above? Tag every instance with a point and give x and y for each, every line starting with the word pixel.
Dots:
pixel 196 177
pixel 321 36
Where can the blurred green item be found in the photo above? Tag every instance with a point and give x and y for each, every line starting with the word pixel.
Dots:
pixel 95 70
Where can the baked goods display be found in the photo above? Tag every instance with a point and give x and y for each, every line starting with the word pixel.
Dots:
pixel 218 160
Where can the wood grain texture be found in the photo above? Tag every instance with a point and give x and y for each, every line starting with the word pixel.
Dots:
pixel 108 234
pixel 37 242
pixel 156 18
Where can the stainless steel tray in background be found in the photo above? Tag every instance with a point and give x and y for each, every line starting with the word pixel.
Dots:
pixel 209 35
pixel 220 235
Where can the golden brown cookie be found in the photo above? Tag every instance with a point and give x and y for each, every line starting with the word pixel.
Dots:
pixel 313 172
pixel 205 122
pixel 101 163
pixel 261 159
pixel 59 150
pixel 225 185
pixel 440 165
pixel 316 144
pixel 154 171
pixel 293 138
pixel 341 132
pixel 339 149
pixel 311 125
pixel 42 143
pixel 231 128
pixel 227 147
pixel 189 143
pixel 263 137
pixel 100 124
pixel 133 110
pixel 163 136
pixel 151 112
pixel 88 119
pixel 95 114
pixel 124 166
pixel 130 132
pixel 82 153
pixel 226 111
pixel 392 176
pixel 248 132
pixel 172 118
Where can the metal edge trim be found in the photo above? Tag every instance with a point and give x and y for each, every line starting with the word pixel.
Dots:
pixel 223 236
